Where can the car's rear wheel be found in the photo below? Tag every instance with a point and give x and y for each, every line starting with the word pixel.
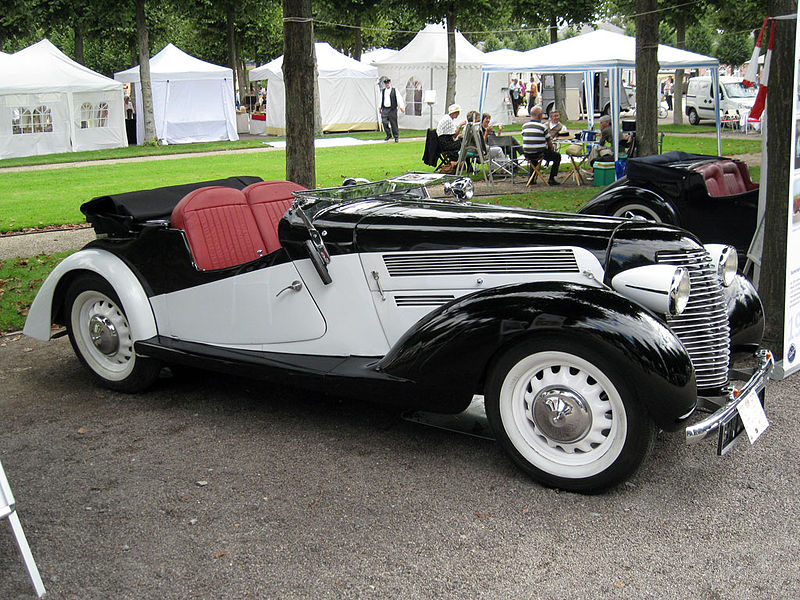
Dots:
pixel 566 416
pixel 635 209
pixel 101 336
pixel 694 118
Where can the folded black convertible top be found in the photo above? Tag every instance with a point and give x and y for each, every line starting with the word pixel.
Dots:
pixel 118 214
pixel 665 168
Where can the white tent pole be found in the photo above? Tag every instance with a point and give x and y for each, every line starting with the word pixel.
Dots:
pixel 715 80
pixel 613 82
pixel 588 94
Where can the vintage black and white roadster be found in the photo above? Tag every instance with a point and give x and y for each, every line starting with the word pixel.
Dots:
pixel 585 335
pixel 711 196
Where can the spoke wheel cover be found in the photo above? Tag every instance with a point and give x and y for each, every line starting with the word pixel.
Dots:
pixel 564 388
pixel 102 334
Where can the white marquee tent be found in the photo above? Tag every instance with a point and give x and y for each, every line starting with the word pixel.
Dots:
pixel 422 66
pixel 50 103
pixel 348 92
pixel 193 101
pixel 599 51
pixel 377 54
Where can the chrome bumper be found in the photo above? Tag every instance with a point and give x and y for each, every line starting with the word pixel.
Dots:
pixel 700 431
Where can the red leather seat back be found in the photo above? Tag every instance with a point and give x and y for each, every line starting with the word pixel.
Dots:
pixel 269 200
pixel 219 227
pixel 733 178
pixel 714 181
pixel 749 184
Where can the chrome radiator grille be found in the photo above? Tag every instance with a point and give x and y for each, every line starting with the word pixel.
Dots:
pixel 703 327
pixel 473 263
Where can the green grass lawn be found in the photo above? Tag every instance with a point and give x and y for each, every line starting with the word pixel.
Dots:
pixel 45 197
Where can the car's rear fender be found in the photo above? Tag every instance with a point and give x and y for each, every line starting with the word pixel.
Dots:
pixel 47 307
pixel 455 346
pixel 607 202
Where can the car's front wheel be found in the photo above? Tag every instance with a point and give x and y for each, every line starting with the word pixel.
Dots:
pixel 566 416
pixel 635 209
pixel 694 118
pixel 101 336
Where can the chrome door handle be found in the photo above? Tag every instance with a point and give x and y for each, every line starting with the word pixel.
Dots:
pixel 295 285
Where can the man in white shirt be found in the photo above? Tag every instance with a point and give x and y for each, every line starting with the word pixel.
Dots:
pixel 390 102
pixel 448 130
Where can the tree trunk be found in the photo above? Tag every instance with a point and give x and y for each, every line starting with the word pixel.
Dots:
pixel 677 88
pixel 144 73
pixel 230 31
pixel 559 79
pixel 79 56
pixel 647 77
pixel 241 74
pixel 780 101
pixel 450 96
pixel 358 44
pixel 298 63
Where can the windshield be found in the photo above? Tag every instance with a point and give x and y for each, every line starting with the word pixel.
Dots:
pixel 738 90
pixel 413 184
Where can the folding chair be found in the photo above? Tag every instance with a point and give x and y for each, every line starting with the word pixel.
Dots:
pixel 535 165
pixel 8 510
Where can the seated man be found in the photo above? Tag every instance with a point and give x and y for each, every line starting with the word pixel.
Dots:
pixel 599 152
pixel 536 142
pixel 449 130
pixel 554 125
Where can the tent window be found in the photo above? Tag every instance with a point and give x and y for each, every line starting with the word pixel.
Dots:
pixel 414 97
pixel 31 120
pixel 94 116
pixel 102 114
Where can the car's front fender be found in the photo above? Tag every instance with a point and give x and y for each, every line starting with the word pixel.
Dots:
pixel 47 304
pixel 453 347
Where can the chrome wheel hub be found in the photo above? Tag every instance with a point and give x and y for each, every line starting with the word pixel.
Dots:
pixel 561 414
pixel 104 335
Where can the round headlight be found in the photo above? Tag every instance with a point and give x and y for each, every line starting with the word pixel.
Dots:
pixel 463 188
pixel 725 260
pixel 679 291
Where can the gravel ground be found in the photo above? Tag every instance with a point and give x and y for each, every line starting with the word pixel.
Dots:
pixel 217 488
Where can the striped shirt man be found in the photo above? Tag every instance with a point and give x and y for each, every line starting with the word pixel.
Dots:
pixel 534 137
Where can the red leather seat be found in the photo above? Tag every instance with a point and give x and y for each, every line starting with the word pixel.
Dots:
pixel 269 200
pixel 219 227
pixel 733 178
pixel 715 182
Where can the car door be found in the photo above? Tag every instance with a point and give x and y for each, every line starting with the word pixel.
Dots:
pixel 264 306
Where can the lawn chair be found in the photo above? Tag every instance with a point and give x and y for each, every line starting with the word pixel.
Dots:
pixel 433 155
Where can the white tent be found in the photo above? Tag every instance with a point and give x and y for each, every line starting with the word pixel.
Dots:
pixel 193 100
pixel 377 54
pixel 348 92
pixel 49 103
pixel 599 51
pixel 422 65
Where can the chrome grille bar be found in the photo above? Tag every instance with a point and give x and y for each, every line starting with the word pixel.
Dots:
pixel 420 300
pixel 472 263
pixel 703 327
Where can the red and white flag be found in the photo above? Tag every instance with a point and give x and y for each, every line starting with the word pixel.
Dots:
pixel 761 98
pixel 752 66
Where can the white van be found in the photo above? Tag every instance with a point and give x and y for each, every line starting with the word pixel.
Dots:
pixel 734 97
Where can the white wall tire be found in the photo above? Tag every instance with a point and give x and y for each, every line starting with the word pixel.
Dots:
pixel 639 210
pixel 101 337
pixel 566 417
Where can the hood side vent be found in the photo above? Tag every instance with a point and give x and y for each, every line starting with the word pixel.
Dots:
pixel 420 300
pixel 415 264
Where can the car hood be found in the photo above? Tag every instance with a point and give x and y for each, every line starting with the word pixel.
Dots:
pixel 370 226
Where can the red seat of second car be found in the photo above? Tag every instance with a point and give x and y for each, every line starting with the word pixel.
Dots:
pixel 269 200
pixel 219 227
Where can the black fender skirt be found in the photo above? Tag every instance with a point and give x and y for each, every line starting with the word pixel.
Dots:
pixel 453 347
